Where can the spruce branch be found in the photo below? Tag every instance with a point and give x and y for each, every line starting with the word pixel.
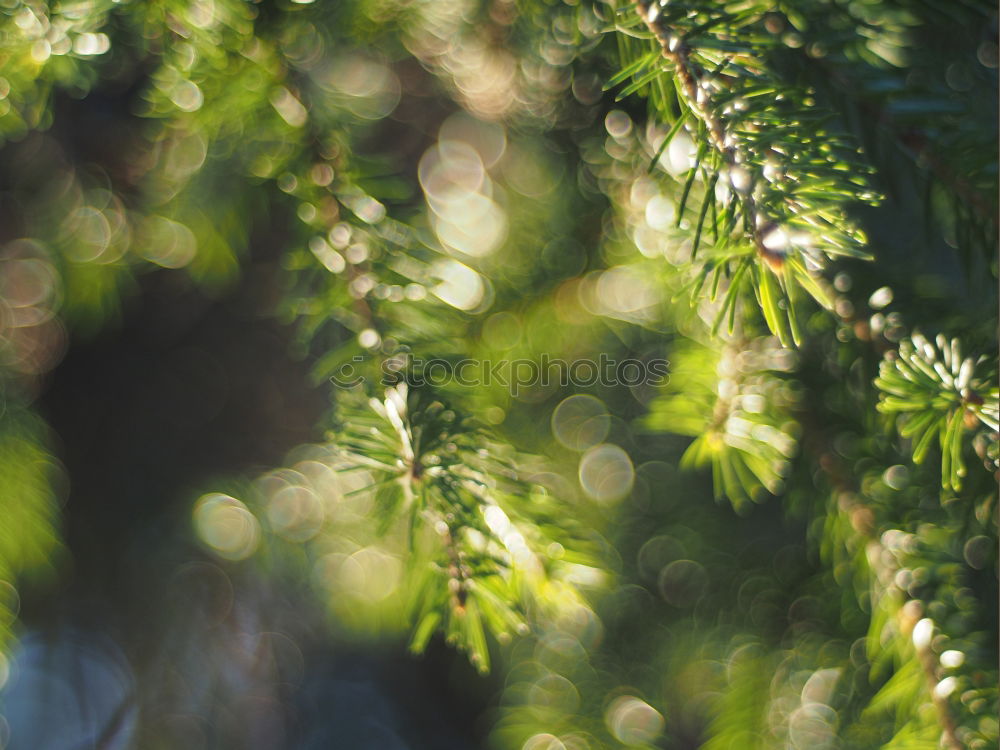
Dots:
pixel 493 556
pixel 783 176
pixel 929 665
pixel 695 85
pixel 889 556
pixel 938 393
pixel 741 423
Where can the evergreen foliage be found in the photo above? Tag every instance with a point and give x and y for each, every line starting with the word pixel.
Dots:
pixel 775 197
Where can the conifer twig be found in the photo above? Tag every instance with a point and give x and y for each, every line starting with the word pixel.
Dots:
pixel 692 80
pixel 862 521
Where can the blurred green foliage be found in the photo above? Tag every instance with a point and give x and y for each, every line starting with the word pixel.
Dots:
pixel 773 197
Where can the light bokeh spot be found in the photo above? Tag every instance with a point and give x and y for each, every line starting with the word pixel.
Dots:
pixel 580 422
pixel 226 526
pixel 606 473
pixel 632 721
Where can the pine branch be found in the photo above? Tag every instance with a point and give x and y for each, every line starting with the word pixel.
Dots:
pixel 695 84
pixel 489 549
pixel 785 177
pixel 941 394
pixel 478 544
pixel 741 423
pixel 864 525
